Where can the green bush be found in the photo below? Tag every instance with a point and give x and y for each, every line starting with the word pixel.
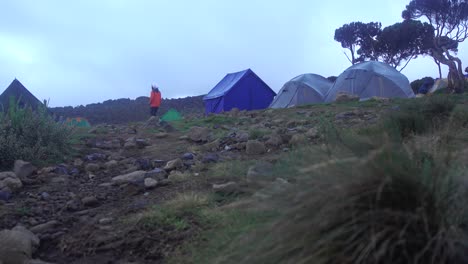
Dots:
pixel 31 135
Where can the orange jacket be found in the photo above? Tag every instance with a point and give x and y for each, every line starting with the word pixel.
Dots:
pixel 155 99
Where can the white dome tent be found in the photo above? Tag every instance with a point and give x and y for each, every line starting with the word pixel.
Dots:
pixel 371 79
pixel 303 89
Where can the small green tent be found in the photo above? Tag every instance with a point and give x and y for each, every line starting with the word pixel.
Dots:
pixel 77 122
pixel 171 115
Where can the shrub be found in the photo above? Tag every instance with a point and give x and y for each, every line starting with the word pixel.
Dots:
pixel 30 135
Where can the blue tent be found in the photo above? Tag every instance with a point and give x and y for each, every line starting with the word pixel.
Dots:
pixel 243 90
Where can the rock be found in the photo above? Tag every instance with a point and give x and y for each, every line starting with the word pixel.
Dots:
pixel 174 164
pixel 274 140
pixel 242 136
pixel 130 177
pixel 141 143
pixel 73 205
pixel 111 164
pixel 188 156
pixel 226 188
pixel 23 169
pixel 106 221
pixel 260 172
pixel 212 146
pixel 130 145
pixel 313 133
pixel 96 157
pixel 90 201
pixel 143 164
pixel 161 135
pixel 344 115
pixel 158 174
pixel 44 228
pixel 210 158
pixel 5 195
pixel 10 182
pixel 150 183
pixel 255 147
pixel 78 163
pixel 343 97
pixel 17 245
pixel 298 140
pixel 184 138
pixel 92 167
pixel 37 261
pixel 45 196
pixel 199 134
pixel 61 169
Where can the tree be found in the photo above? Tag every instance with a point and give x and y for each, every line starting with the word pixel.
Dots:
pixel 450 21
pixel 403 41
pixel 357 35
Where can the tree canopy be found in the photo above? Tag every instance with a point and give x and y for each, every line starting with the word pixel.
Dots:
pixel 358 37
pixel 450 21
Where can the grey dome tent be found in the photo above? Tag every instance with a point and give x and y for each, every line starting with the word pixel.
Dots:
pixel 303 89
pixel 369 79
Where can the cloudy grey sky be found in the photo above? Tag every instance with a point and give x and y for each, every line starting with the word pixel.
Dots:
pixel 88 51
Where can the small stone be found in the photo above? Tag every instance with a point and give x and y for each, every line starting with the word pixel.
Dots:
pixel 161 135
pixel 111 164
pixel 230 187
pixel 156 174
pixel 130 177
pixel 188 156
pixel 274 140
pixel 142 143
pixel 43 228
pixel 45 196
pixel 130 145
pixel 92 167
pixel 5 195
pixel 90 201
pixel 184 138
pixel 96 157
pixel 199 134
pixel 210 158
pixel 173 164
pixel 343 97
pixel 150 183
pixel 106 221
pixel 312 133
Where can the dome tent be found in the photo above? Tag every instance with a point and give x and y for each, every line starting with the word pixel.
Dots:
pixel 77 122
pixel 171 115
pixel 303 89
pixel 369 79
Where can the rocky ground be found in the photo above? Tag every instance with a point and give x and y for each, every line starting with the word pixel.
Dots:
pixel 86 210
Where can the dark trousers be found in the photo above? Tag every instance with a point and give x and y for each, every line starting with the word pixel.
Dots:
pixel 154 111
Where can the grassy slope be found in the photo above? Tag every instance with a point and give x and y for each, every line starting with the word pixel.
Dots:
pixel 389 192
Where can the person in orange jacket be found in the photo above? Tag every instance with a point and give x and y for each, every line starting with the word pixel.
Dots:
pixel 155 100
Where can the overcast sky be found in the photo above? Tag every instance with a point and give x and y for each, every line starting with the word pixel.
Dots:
pixel 89 51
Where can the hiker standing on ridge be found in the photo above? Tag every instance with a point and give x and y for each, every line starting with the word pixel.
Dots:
pixel 155 100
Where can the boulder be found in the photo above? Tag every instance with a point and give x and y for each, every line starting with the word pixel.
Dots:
pixel 174 164
pixel 23 169
pixel 130 177
pixel 199 134
pixel 343 97
pixel 17 245
pixel 9 181
pixel 255 147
